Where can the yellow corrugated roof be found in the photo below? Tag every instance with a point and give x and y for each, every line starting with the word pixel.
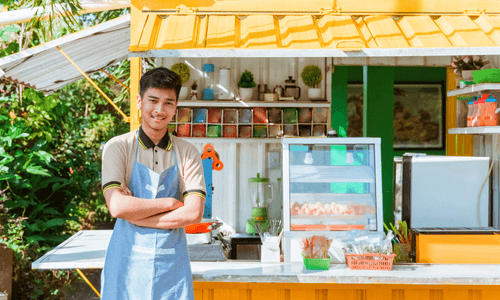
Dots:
pixel 156 31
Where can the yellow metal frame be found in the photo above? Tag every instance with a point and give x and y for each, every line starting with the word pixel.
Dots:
pixel 456 144
pixel 88 282
pixel 322 6
pixel 135 76
pixel 125 118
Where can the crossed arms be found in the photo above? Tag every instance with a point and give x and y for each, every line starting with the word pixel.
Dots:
pixel 161 213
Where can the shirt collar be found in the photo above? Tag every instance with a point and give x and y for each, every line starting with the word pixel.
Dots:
pixel 146 143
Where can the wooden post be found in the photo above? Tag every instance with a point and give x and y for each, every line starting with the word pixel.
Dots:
pixel 6 269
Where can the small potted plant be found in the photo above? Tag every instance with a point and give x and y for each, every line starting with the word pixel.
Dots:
pixel 465 65
pixel 311 76
pixel 183 70
pixel 246 85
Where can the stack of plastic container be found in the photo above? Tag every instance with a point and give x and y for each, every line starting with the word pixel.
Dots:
pixel 482 111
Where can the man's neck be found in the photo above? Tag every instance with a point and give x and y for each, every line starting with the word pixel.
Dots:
pixel 155 135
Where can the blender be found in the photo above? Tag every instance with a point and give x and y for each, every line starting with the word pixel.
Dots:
pixel 261 192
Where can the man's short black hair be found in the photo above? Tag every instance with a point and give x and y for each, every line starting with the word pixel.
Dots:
pixel 162 78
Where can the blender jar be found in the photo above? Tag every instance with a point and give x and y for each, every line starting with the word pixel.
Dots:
pixel 261 192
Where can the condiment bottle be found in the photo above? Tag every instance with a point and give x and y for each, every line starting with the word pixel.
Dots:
pixel 490 117
pixel 471 112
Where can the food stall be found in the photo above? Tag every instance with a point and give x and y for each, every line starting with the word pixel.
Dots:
pixel 276 40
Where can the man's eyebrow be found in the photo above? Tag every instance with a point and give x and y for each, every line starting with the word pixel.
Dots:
pixel 153 97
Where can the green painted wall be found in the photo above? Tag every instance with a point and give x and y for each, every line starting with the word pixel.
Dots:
pixel 354 74
pixel 339 100
pixel 378 116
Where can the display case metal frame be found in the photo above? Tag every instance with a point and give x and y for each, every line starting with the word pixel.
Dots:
pixel 286 143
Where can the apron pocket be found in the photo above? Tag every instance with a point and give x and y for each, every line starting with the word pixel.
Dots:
pixel 151 251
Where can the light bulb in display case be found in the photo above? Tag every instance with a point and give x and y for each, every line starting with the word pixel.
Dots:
pixel 308 159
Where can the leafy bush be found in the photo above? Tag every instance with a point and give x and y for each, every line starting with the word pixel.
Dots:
pixel 246 80
pixel 311 76
pixel 50 167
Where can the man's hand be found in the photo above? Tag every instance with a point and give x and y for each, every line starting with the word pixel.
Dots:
pixel 125 190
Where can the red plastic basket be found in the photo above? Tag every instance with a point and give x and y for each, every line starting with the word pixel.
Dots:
pixel 370 261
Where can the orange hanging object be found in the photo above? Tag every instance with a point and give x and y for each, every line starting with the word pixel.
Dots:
pixel 208 151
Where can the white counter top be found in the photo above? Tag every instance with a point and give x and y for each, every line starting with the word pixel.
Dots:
pixel 87 248
pixel 422 274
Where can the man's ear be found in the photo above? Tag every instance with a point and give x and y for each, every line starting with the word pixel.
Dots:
pixel 139 102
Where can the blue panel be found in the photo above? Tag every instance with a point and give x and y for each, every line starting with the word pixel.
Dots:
pixel 207 170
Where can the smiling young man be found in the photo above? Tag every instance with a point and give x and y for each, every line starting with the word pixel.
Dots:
pixel 153 184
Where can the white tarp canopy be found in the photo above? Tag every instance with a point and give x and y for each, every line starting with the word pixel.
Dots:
pixel 45 68
pixel 88 6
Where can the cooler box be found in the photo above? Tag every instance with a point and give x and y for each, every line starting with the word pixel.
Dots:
pixel 455 247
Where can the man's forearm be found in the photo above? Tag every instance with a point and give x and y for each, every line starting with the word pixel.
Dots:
pixel 190 213
pixel 131 208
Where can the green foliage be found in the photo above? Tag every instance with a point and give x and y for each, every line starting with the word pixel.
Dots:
pixel 182 70
pixel 8 40
pixel 311 76
pixel 50 165
pixel 246 80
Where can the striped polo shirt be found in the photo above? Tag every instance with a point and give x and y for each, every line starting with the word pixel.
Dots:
pixel 119 155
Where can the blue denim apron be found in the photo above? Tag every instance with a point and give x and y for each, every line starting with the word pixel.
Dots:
pixel 147 263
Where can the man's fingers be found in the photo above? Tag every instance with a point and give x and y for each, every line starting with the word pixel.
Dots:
pixel 125 190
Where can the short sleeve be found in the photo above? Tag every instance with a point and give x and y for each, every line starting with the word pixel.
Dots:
pixel 194 179
pixel 114 164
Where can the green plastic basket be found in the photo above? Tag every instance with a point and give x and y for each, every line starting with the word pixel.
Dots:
pixel 317 263
pixel 486 76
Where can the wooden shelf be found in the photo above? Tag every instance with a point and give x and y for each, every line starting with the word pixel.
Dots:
pixel 250 104
pixel 218 140
pixel 482 88
pixel 475 130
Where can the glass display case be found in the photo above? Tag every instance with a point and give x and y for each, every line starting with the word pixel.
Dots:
pixel 330 186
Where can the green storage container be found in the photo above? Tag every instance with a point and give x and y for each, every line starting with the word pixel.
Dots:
pixel 486 76
pixel 317 263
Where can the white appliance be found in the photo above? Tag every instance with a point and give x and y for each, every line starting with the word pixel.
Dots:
pixel 446 191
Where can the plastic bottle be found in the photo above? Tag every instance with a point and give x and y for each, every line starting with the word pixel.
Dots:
pixel 490 117
pixel 481 107
pixel 471 112
pixel 475 117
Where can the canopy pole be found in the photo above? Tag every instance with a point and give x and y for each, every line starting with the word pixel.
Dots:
pixel 125 118
pixel 88 282
pixel 114 78
pixel 135 77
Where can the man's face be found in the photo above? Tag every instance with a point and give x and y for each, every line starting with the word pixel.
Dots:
pixel 158 107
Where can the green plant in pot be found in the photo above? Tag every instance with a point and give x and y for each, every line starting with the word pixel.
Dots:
pixel 311 76
pixel 185 73
pixel 246 85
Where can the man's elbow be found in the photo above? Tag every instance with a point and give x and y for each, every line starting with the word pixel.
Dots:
pixel 114 209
